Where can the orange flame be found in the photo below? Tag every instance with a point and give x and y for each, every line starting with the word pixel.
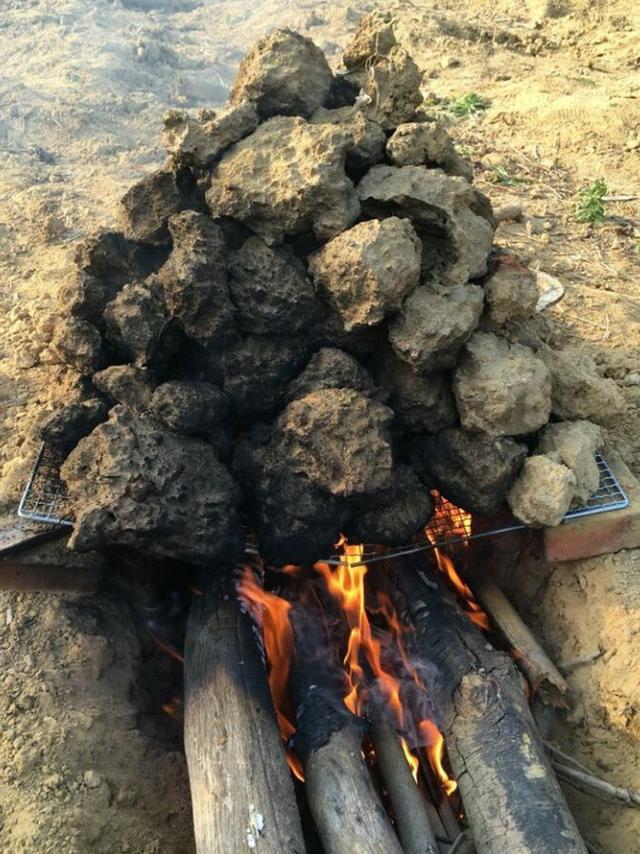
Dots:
pixel 272 613
pixel 346 585
pixel 412 761
pixel 458 523
pixel 434 741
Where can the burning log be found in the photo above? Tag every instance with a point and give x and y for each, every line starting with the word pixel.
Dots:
pixel 409 807
pixel 339 786
pixel 512 799
pixel 241 789
pixel 328 740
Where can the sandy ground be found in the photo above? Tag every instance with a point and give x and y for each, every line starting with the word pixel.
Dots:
pixel 82 90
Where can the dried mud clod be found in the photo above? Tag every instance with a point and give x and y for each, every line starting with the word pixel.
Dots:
pixel 501 389
pixel 285 74
pixel 367 271
pixel 286 179
pixel 199 142
pixel 149 490
pixel 543 493
pixel 440 206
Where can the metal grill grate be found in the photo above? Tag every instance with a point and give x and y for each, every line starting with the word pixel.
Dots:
pixel 45 500
pixel 450 525
pixel 610 495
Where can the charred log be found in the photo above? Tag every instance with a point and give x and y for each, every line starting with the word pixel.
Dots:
pixel 512 798
pixel 241 789
pixel 344 804
pixel 409 807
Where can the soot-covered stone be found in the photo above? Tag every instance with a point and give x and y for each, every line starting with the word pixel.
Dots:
pixel 432 327
pixel 472 470
pixel 422 403
pixel 405 512
pixel 270 290
pixel 137 326
pixel 166 496
pixel 257 371
pixel 127 384
pixel 338 439
pixel 63 429
pixel 296 521
pixel 147 206
pixel 194 280
pixel 189 407
pixel 78 343
pixel 330 368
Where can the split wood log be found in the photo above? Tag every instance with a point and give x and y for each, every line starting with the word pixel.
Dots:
pixel 342 799
pixel 241 789
pixel 409 806
pixel 543 676
pixel 512 799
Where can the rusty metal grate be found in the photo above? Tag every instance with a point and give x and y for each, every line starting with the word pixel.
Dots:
pixel 45 500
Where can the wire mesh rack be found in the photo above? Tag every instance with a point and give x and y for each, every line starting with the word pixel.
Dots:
pixel 450 525
pixel 45 500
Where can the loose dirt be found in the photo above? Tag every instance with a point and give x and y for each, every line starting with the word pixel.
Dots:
pixel 83 91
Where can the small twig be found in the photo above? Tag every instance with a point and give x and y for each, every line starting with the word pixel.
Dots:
pixel 619 198
pixel 595 786
pixel 567 667
pixel 564 757
pixel 458 842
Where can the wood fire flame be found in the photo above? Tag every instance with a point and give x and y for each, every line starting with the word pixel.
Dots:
pixel 363 659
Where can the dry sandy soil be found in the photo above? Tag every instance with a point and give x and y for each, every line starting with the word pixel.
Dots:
pixel 84 764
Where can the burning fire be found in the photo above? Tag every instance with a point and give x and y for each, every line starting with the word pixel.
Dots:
pixel 368 678
pixel 457 523
pixel 272 613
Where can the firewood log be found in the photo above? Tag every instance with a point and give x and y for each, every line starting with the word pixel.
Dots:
pixel 241 789
pixel 341 796
pixel 409 806
pixel 511 796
